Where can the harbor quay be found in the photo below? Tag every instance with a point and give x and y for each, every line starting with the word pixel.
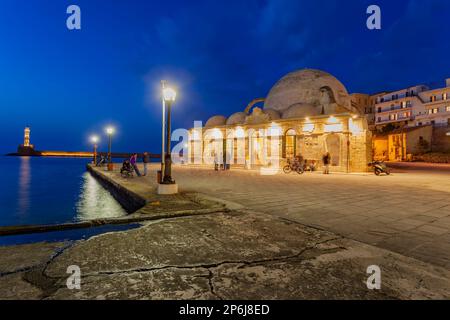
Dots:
pixel 236 234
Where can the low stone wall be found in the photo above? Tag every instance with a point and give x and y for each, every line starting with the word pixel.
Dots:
pixel 434 157
pixel 128 199
pixel 441 141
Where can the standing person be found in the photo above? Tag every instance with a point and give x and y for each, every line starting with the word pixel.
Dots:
pixel 133 162
pixel 216 161
pixel 326 162
pixel 145 160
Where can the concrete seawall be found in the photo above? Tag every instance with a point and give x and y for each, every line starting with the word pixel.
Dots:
pixel 130 200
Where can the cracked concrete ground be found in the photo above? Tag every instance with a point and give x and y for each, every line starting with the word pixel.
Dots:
pixel 230 255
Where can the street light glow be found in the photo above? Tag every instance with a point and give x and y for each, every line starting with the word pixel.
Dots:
pixel 169 94
pixel 110 130
pixel 94 139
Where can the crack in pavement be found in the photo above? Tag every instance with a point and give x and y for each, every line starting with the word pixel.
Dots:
pixel 213 265
pixel 54 283
pixel 36 276
pixel 57 253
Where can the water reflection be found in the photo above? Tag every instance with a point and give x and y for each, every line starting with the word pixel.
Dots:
pixel 96 202
pixel 24 186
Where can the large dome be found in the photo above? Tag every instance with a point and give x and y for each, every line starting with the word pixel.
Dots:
pixel 300 111
pixel 308 87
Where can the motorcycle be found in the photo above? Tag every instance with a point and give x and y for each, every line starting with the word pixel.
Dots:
pixel 379 167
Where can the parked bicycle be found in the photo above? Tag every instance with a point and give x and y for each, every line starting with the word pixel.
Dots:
pixel 293 165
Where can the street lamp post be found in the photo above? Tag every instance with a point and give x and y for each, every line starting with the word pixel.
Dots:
pixel 163 132
pixel 110 131
pixel 94 140
pixel 169 96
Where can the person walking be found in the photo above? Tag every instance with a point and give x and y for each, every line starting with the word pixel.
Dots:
pixel 133 162
pixel 145 160
pixel 326 162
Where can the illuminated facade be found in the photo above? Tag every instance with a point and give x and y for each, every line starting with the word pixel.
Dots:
pixel 307 113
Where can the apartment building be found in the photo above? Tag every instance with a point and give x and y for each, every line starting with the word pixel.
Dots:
pixel 414 106
pixel 399 107
pixel 419 119
pixel 435 109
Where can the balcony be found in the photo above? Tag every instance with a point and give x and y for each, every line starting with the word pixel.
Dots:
pixel 396 108
pixel 397 97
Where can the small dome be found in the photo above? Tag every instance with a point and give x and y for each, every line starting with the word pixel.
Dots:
pixel 273 114
pixel 236 118
pixel 215 121
pixel 300 110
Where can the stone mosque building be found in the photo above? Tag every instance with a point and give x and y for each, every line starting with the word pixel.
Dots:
pixel 313 113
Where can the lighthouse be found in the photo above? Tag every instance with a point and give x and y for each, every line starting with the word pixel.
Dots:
pixel 26 149
pixel 26 137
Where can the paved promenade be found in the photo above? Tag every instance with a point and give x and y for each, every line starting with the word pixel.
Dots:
pixel 407 212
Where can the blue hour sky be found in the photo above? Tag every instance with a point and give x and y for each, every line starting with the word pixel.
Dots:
pixel 219 55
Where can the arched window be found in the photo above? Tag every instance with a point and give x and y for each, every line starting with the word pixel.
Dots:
pixel 289 144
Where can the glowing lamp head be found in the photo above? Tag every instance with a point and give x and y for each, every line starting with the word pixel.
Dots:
pixel 94 139
pixel 110 130
pixel 169 94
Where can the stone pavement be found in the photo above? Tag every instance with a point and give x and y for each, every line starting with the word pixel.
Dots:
pixel 234 255
pixel 408 212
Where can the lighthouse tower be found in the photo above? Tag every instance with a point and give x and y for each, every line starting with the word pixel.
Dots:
pixel 26 149
pixel 26 137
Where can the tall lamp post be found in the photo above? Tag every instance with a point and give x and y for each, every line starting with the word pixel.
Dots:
pixel 94 140
pixel 163 132
pixel 169 96
pixel 110 131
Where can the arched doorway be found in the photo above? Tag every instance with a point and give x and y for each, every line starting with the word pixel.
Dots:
pixel 333 146
pixel 289 144
pixel 257 148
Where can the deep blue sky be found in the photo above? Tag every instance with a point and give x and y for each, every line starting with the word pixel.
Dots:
pixel 219 54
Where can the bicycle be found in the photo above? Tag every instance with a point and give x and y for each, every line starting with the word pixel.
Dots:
pixel 293 166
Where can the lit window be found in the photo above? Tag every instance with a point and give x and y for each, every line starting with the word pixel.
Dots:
pixel 447 108
pixel 444 96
